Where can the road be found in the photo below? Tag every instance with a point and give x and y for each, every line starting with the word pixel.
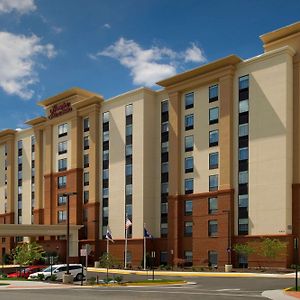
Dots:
pixel 205 288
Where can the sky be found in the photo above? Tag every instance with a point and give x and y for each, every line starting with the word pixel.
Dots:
pixel 112 46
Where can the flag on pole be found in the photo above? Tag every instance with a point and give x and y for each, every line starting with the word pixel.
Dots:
pixel 128 224
pixel 147 234
pixel 108 235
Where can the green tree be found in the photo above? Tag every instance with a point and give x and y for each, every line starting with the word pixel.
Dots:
pixel 271 248
pixel 107 261
pixel 243 249
pixel 27 253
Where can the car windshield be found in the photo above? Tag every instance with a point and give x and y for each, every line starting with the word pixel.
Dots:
pixel 47 269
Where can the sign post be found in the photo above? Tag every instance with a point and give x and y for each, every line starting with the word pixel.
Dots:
pixel 153 258
pixel 296 246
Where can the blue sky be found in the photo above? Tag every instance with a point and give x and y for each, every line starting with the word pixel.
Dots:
pixel 112 46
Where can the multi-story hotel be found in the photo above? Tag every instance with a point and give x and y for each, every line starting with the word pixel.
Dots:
pixel 210 160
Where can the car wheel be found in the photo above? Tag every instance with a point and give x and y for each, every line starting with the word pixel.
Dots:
pixel 79 277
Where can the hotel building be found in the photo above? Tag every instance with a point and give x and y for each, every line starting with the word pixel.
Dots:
pixel 210 160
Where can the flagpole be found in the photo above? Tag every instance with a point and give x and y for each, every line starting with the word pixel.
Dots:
pixel 125 260
pixel 144 247
pixel 107 253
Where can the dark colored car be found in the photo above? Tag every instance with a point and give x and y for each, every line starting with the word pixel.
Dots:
pixel 25 272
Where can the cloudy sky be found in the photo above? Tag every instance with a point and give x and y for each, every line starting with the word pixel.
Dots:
pixel 112 46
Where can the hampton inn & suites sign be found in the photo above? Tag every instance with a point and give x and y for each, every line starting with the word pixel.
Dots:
pixel 59 110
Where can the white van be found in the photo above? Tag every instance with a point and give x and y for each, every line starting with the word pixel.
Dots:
pixel 59 271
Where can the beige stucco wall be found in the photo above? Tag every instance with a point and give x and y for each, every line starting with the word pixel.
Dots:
pixel 2 178
pixel 270 142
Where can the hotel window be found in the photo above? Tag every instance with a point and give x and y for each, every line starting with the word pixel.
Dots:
pixel 213 258
pixel 105 192
pixel 62 200
pixel 105 212
pixel 86 196
pixel 86 161
pixel 62 182
pixel 86 143
pixel 243 106
pixel 244 82
pixel 212 205
pixel 188 256
pixel 243 153
pixel 163 258
pixel 165 167
pixel 20 147
pixel 213 93
pixel 243 201
pixel 243 130
pixel 86 124
pixel 62 147
pixel 86 180
pixel 164 208
pixel 105 117
pixel 164 187
pixel 106 155
pixel 213 138
pixel 189 122
pixel 128 210
pixel 214 115
pixel 189 186
pixel 128 189
pixel 128 150
pixel 128 129
pixel 189 143
pixel 164 229
pixel 243 177
pixel 164 147
pixel 61 216
pixel 213 160
pixel 129 110
pixel 165 126
pixel 164 106
pixel 105 174
pixel 189 164
pixel 62 164
pixel 213 183
pixel 188 228
pixel 189 100
pixel 243 226
pixel 188 207
pixel 105 136
pixel 128 170
pixel 212 228
pixel 62 130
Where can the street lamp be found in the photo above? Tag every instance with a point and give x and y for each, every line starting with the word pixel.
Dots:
pixel 229 236
pixel 68 228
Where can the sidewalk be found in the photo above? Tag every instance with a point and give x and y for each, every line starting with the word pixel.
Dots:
pixel 281 295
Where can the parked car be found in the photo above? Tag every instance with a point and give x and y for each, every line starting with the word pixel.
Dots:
pixel 25 272
pixel 59 270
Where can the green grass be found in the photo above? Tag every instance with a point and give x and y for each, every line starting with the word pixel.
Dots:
pixel 292 289
pixel 14 279
pixel 157 281
pixel 4 283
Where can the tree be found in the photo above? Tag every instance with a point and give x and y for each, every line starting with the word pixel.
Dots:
pixel 107 261
pixel 271 248
pixel 27 253
pixel 243 249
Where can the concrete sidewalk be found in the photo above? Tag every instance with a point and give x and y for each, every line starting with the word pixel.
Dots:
pixel 281 295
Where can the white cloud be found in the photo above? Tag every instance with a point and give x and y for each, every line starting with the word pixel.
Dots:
pixel 18 55
pixel 20 6
pixel 194 54
pixel 106 25
pixel 148 66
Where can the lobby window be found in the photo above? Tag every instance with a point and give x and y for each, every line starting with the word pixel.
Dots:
pixel 188 207
pixel 243 153
pixel 243 177
pixel 86 124
pixel 62 147
pixel 189 143
pixel 244 82
pixel 243 130
pixel 189 122
pixel 214 115
pixel 62 200
pixel 86 161
pixel 243 226
pixel 213 93
pixel 62 182
pixel 213 182
pixel 212 228
pixel 188 228
pixel 86 178
pixel 86 195
pixel 213 258
pixel 213 138
pixel 164 229
pixel 62 164
pixel 86 143
pixel 62 130
pixel 189 164
pixel 61 216
pixel 188 256
pixel 189 186
pixel 243 106
pixel 213 160
pixel 163 258
pixel 189 100
pixel 212 205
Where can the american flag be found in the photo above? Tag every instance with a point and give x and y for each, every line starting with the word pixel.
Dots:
pixel 108 235
pixel 127 224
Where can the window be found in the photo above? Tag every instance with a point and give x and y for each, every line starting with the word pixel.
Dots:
pixel 164 188
pixel 243 130
pixel 62 147
pixel 128 170
pixel 62 200
pixel 189 185
pixel 128 129
pixel 86 180
pixel 62 182
pixel 163 258
pixel 243 201
pixel 105 192
pixel 164 147
pixel 20 146
pixel 86 196
pixel 164 229
pixel 212 205
pixel 61 216
pixel 243 177
pixel 213 138
pixel 164 106
pixel 129 109
pixel 128 210
pixel 188 207
pixel 213 160
pixel 213 183
pixel 189 122
pixel 243 153
pixel 189 143
pixel 86 161
pixel 212 228
pixel 105 212
pixel 243 226
pixel 213 93
pixel 189 164
pixel 106 155
pixel 165 126
pixel 188 256
pixel 62 130
pixel 105 136
pixel 62 164
pixel 244 82
pixel 86 124
pixel 105 117
pixel 128 150
pixel 213 258
pixel 165 167
pixel 86 143
pixel 128 189
pixel 189 100
pixel 214 115
pixel 164 208
pixel 188 228
pixel 244 106
pixel 105 174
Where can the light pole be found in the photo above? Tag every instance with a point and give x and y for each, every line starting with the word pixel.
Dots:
pixel 229 236
pixel 68 228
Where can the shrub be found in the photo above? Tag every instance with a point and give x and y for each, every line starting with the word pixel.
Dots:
pixel 118 279
pixel 53 277
pixel 40 277
pixel 92 280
